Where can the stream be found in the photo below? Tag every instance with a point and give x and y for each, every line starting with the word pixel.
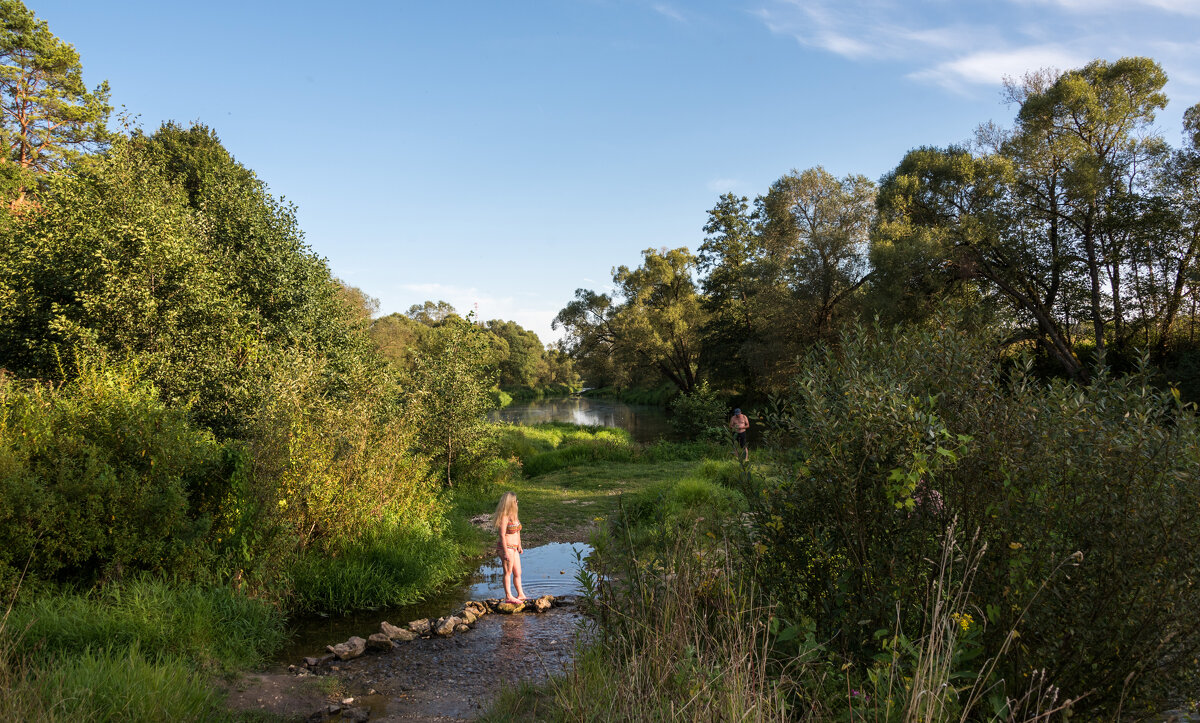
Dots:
pixel 455 678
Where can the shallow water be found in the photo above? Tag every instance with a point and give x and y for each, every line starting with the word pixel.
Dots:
pixel 645 423
pixel 546 570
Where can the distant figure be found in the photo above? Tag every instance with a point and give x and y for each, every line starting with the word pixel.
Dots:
pixel 739 423
pixel 510 545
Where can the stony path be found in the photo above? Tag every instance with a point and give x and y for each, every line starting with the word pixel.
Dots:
pixel 457 678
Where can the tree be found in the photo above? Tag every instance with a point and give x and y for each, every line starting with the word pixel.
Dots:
pixel 815 241
pixel 655 326
pixel 450 384
pixel 48 115
pixel 726 259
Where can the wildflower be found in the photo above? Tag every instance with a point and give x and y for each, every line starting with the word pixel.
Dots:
pixel 1015 546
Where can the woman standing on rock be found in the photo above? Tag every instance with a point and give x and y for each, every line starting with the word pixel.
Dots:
pixel 510 545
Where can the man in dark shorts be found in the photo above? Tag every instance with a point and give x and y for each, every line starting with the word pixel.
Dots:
pixel 739 423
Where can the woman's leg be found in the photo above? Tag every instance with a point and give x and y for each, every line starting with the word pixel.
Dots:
pixel 508 572
pixel 516 568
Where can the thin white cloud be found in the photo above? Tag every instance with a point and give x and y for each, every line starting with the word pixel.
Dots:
pixel 991 67
pixel 722 185
pixel 1098 7
pixel 669 12
pixel 965 46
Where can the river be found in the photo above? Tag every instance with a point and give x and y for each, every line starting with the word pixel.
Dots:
pixel 645 422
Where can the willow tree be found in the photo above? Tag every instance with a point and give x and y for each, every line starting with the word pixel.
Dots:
pixel 47 114
pixel 653 323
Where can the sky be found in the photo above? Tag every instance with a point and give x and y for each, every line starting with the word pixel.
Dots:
pixel 505 154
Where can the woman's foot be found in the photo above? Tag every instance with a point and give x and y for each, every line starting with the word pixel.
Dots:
pixel 513 601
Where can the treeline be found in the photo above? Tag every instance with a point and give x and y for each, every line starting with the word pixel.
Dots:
pixel 1073 233
pixel 517 356
pixel 185 389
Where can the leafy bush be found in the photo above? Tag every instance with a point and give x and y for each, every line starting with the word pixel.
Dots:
pixel 99 477
pixel 384 567
pixel 700 415
pixel 902 431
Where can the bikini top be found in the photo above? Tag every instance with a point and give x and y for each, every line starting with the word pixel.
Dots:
pixel 513 527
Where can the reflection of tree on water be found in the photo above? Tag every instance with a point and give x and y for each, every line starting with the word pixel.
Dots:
pixel 645 423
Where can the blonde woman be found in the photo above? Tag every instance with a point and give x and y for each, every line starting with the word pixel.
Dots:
pixel 510 545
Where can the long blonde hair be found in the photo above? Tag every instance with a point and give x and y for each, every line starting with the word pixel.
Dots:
pixel 506 508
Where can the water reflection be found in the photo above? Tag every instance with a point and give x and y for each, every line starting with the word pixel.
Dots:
pixel 645 423
pixel 546 570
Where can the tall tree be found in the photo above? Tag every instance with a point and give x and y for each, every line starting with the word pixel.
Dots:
pixel 1099 119
pixel 47 115
pixel 654 325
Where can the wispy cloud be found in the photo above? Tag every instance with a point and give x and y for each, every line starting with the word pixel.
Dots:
pixel 1098 7
pixel 722 185
pixel 961 46
pixel 668 11
pixel 991 67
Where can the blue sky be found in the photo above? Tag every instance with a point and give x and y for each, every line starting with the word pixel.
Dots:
pixel 506 153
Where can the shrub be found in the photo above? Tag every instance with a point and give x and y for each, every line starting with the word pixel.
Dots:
pixel 902 430
pixel 98 477
pixel 700 415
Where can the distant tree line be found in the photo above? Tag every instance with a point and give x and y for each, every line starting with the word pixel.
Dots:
pixel 1072 233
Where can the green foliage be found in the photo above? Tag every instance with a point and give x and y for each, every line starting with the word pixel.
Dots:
pixel 105 685
pixel 99 477
pixel 902 431
pixel 450 386
pixel 212 626
pixel 700 415
pixel 322 470
pixel 653 327
pixel 115 265
pixel 48 117
pixel 383 567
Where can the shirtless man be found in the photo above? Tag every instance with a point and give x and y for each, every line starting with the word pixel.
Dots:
pixel 739 423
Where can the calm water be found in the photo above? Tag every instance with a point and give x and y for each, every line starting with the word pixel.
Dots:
pixel 646 423
pixel 546 570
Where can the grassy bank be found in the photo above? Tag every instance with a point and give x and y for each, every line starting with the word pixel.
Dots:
pixel 659 396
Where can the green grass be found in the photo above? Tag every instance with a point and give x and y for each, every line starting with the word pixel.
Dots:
pixel 212 626
pixel 384 568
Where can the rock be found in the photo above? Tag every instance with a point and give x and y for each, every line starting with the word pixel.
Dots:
pixel 312 662
pixel 461 628
pixel 543 603
pixel 445 626
pixel 480 609
pixel 491 604
pixel 509 608
pixel 352 648
pixel 380 641
pixel 468 616
pixel 355 714
pixel 424 626
pixel 566 601
pixel 394 633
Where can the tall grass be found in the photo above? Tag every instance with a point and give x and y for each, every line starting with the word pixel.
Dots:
pixel 683 632
pixel 385 567
pixel 212 626
pixel 139 652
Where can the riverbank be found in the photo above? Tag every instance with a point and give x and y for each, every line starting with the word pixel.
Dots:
pixel 573 479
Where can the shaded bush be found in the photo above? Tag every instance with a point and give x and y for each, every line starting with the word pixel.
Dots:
pixel 900 431
pixel 700 415
pixel 99 477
